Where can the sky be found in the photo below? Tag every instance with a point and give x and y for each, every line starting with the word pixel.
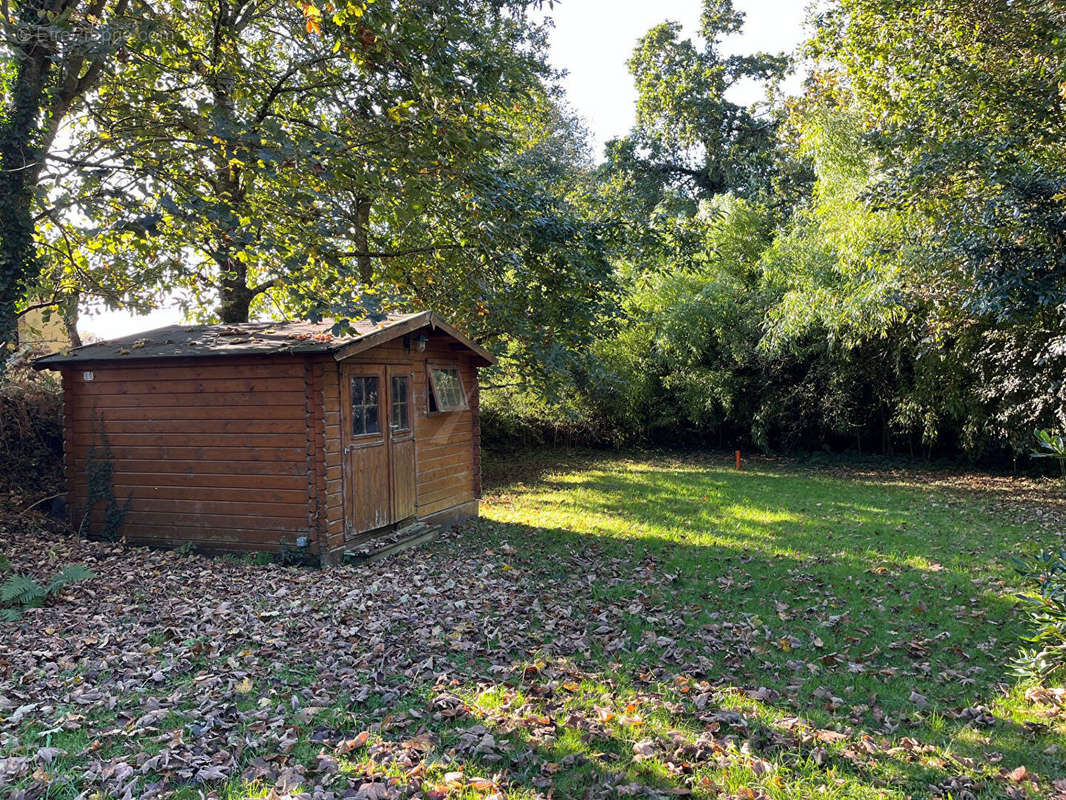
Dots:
pixel 591 40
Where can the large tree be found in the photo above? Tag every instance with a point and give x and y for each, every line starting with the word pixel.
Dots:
pixel 53 53
pixel 286 154
pixel 690 136
pixel 938 221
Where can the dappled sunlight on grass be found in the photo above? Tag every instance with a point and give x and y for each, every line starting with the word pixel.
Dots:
pixel 909 592
pixel 634 628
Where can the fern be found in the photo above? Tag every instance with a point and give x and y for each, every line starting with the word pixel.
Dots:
pixel 22 591
pixel 71 573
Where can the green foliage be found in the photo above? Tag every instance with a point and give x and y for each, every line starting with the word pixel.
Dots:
pixel 356 132
pixel 876 264
pixel 99 478
pixel 1046 605
pixel 262 559
pixel 689 136
pixel 21 591
pixel 910 297
pixel 1051 446
pixel 51 58
pixel 963 102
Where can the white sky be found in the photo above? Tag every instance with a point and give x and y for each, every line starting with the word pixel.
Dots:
pixel 592 40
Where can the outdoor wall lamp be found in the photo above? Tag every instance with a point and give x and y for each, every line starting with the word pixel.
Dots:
pixel 420 342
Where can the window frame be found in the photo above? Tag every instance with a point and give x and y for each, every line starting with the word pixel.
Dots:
pixel 407 404
pixel 432 380
pixel 368 436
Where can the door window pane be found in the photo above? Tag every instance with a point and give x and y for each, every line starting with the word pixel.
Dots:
pixel 365 412
pixel 401 415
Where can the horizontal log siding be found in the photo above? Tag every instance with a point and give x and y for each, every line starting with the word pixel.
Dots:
pixel 221 454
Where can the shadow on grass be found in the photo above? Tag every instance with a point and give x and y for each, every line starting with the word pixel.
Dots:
pixel 946 741
pixel 660 629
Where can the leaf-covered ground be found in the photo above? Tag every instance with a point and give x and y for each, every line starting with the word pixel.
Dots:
pixel 610 627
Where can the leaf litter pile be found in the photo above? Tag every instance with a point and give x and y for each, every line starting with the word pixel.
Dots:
pixel 649 629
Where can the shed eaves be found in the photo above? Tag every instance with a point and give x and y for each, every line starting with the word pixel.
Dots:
pixel 247 338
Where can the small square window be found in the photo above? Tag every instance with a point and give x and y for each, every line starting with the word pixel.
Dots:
pixel 366 416
pixel 447 388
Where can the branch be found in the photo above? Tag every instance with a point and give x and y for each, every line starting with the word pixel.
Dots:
pixel 44 304
pixel 259 288
pixel 279 86
pixel 399 253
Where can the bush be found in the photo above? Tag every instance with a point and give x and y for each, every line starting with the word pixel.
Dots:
pixel 1052 446
pixel 513 420
pixel 1047 609
pixel 31 431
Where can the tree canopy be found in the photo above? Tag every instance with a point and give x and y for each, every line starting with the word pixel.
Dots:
pixel 877 262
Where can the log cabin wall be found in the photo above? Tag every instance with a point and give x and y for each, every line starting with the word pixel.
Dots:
pixel 245 453
pixel 224 453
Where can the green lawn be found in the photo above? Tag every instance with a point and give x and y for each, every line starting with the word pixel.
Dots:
pixel 610 627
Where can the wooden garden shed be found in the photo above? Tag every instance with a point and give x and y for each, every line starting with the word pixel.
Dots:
pixel 276 435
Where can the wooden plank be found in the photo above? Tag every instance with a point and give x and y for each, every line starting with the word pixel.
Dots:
pixel 273 368
pixel 448 467
pixel 434 458
pixel 89 412
pixel 196 427
pixel 266 440
pixel 184 489
pixel 208 522
pixel 256 386
pixel 265 488
pixel 233 506
pixel 457 482
pixel 131 466
pixel 195 399
pixel 432 506
pixel 402 476
pixel 202 453
pixel 219 538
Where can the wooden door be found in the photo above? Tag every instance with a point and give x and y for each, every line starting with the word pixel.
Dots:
pixel 366 449
pixel 401 442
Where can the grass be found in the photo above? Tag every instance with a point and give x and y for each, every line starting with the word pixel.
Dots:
pixel 880 604
pixel 618 626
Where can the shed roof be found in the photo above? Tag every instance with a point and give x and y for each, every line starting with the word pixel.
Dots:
pixel 258 339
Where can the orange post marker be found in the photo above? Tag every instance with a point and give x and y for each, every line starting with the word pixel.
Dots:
pixel 738 459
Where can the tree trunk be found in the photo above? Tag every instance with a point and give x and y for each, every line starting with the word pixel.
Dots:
pixel 18 256
pixel 20 166
pixel 362 240
pixel 70 321
pixel 230 182
pixel 46 84
pixel 235 296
